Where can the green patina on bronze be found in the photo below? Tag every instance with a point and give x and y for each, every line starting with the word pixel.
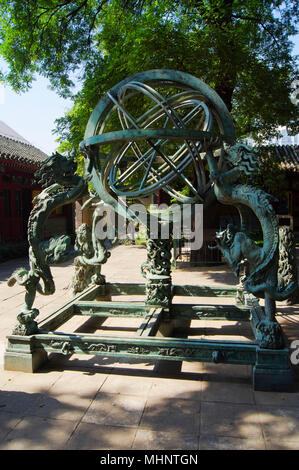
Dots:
pixel 61 187
pixel 157 272
pixel 261 263
pixel 185 128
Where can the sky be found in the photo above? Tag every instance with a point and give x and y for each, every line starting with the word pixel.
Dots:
pixel 32 114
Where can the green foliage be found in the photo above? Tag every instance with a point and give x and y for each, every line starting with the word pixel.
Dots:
pixel 242 49
pixel 269 175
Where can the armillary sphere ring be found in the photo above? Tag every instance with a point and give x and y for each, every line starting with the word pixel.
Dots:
pixel 150 132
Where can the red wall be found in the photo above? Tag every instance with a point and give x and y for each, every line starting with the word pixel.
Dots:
pixel 16 187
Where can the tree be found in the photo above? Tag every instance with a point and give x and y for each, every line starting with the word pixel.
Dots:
pixel 241 48
pixel 269 177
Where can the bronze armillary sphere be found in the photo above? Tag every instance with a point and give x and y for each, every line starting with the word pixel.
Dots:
pixel 151 149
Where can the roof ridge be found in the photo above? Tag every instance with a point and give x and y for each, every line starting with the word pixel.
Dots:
pixel 8 131
pixel 26 144
pixel 17 140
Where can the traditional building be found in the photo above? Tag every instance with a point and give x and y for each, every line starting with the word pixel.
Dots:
pixel 287 208
pixel 19 160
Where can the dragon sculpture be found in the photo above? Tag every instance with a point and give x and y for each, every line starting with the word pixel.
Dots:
pixel 93 252
pixel 261 263
pixel 61 186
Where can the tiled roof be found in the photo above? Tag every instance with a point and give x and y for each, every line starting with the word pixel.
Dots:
pixel 7 131
pixel 14 147
pixel 287 154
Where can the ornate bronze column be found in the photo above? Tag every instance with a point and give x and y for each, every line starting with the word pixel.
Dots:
pixel 157 271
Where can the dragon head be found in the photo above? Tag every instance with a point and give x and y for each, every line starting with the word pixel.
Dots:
pixel 57 169
pixel 225 238
pixel 241 155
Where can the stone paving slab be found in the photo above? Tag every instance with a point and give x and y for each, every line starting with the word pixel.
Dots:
pixel 146 439
pixel 89 436
pixel 36 433
pixel 88 402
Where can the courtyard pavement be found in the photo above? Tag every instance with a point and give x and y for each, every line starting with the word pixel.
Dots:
pixel 88 402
